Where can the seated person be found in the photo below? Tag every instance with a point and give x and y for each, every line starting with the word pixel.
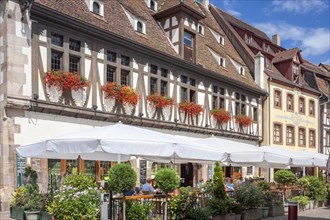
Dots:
pixel 200 183
pixel 147 187
pixel 129 192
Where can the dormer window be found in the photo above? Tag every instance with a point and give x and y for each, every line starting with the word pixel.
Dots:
pixel 241 71
pixel 248 39
pixel 96 8
pixel 201 29
pixel 222 62
pixel 152 5
pixel 295 73
pixel 221 40
pixel 139 27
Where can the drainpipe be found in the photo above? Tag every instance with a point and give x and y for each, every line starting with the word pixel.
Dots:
pixel 270 170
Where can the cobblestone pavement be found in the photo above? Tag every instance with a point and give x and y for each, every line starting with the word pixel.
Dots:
pixel 322 213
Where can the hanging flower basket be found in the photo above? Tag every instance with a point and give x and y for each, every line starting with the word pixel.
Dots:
pixel 57 81
pixel 159 101
pixel 221 115
pixel 191 108
pixel 122 94
pixel 243 120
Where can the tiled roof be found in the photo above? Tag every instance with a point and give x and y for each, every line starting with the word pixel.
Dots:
pixel 285 55
pixel 325 66
pixel 323 86
pixel 315 69
pixel 205 58
pixel 116 21
pixel 241 24
pixel 166 4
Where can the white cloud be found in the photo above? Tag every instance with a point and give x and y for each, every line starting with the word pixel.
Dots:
pixel 233 12
pixel 300 6
pixel 312 41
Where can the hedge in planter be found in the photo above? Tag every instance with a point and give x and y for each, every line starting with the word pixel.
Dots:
pixel 314 188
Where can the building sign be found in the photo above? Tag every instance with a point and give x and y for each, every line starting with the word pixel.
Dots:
pixel 20 169
pixel 143 171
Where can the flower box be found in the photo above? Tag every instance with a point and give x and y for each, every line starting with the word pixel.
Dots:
pixel 159 106
pixel 66 80
pixel 221 116
pixel 17 213
pixel 191 108
pixel 243 120
pixel 159 101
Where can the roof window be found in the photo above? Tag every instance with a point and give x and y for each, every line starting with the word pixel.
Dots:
pixel 96 6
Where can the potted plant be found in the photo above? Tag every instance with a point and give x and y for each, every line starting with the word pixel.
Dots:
pixel 137 210
pixel 77 198
pixel 160 105
pixel 190 110
pixel 220 205
pixel 266 199
pixel 301 200
pixel 274 200
pixel 314 188
pixel 32 201
pixel 250 198
pixel 167 180
pixel 221 116
pixel 30 176
pixel 181 205
pixel 16 204
pixel 124 96
pixel 243 121
pixel 122 178
pixel 284 178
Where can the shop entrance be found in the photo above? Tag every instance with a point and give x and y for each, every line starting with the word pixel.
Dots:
pixel 187 174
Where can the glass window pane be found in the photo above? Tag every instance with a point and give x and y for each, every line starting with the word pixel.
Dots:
pixel 125 60
pixel 163 88
pixel 187 39
pixel 56 63
pixel 57 39
pixel 74 45
pixel 124 79
pixel 111 73
pixel 153 86
pixel 164 72
pixel 183 94
pixel 153 69
pixel 184 79
pixel 74 64
pixel 111 56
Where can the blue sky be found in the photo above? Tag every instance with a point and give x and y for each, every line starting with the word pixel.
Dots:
pixel 301 23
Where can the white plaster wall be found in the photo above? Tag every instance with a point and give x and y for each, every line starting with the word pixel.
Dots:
pixel 193 26
pixel 41 92
pixel 43 36
pixel 2 57
pixel 167 23
pixel 174 21
pixel 201 86
pixel 176 48
pixel 175 35
pixel 186 23
pixel 87 50
pixel 201 98
pixel 135 64
pixel 146 83
pixel 135 79
pixel 145 68
pixel 100 54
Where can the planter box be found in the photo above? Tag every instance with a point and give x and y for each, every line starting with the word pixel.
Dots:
pixel 229 216
pixel 265 212
pixel 252 214
pixel 45 216
pixel 17 213
pixel 276 210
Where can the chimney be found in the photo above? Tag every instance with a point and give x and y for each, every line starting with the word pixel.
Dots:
pixel 276 39
pixel 205 3
pixel 259 62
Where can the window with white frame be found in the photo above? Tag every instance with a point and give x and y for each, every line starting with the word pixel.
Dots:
pixel 222 62
pixel 240 104
pixel 140 27
pixel 96 6
pixel 248 39
pixel 200 29
pixel 218 97
pixel 188 89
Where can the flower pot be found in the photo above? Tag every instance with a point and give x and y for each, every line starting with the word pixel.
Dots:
pixel 252 214
pixel 78 96
pixel 45 216
pixel 167 112
pixel 17 213
pixel 238 216
pixel 151 110
pixel 228 216
pixel 109 104
pixel 32 215
pixel 276 210
pixel 54 93
pixel 128 108
pixel 265 212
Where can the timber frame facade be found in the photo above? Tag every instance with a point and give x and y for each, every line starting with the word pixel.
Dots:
pixel 29 111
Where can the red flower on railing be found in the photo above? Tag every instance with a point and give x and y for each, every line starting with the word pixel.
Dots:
pixel 66 80
pixel 160 101
pixel 191 108
pixel 123 94
pixel 243 120
pixel 220 115
pixel 54 78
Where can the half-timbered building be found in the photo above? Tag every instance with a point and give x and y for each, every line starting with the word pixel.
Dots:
pixel 167 47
